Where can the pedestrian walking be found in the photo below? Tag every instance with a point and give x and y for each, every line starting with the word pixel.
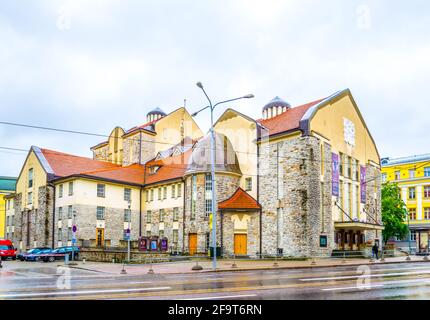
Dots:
pixel 375 250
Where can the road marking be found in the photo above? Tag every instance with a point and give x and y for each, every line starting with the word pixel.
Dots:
pixel 80 292
pixel 222 297
pixel 359 288
pixel 368 276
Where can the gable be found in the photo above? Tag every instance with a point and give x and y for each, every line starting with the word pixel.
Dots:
pixel 340 121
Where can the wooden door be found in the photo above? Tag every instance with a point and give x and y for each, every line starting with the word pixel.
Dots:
pixel 192 243
pixel 240 244
pixel 100 237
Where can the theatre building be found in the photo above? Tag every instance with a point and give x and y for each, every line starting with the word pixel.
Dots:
pixel 301 181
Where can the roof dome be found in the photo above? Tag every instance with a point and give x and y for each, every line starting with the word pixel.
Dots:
pixel 225 156
pixel 155 114
pixel 275 107
pixel 277 102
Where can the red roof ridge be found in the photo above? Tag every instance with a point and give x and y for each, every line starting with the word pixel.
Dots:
pixel 240 200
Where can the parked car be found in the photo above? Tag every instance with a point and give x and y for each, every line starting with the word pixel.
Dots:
pixel 60 253
pixel 33 254
pixel 7 250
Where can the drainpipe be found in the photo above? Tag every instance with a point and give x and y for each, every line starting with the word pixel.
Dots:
pixel 53 215
pixel 183 216
pixel 258 197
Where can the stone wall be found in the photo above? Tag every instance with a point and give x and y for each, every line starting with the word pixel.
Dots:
pixel 226 185
pixel 138 148
pixel 373 201
pixel 101 154
pixel 300 198
pixel 87 223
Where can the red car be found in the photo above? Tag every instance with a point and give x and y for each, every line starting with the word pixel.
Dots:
pixel 7 250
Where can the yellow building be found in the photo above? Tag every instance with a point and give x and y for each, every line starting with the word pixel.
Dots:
pixel 412 174
pixel 7 186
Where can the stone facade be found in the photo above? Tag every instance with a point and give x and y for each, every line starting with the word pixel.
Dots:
pixel 225 186
pixel 138 148
pixel 291 200
pixel 101 154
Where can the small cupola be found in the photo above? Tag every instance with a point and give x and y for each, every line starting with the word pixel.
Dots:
pixel 275 107
pixel 155 114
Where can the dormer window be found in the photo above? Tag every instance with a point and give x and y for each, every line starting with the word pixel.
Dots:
pixel 154 169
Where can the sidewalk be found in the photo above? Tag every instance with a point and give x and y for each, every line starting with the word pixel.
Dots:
pixel 226 265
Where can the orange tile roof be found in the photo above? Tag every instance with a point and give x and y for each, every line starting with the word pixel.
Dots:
pixel 64 164
pixel 130 174
pixel 170 168
pixel 239 200
pixel 289 120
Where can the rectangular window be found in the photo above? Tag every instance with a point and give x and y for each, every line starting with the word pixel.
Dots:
pixel 147 196
pixel 100 213
pixel 176 214
pixel 173 191
pixel 413 214
pixel 159 193
pixel 427 172
pixel 60 234
pixel 208 194
pixel 412 173
pixel 412 194
pixel 341 160
pixel 413 235
pixel 60 191
pixel 427 213
pixel 426 191
pixel 384 177
pixel 69 212
pixel 193 196
pixel 175 236
pixel 148 216
pixel 101 189
pixel 161 215
pixel 8 220
pixel 248 184
pixel 179 191
pixel 127 215
pixel 30 178
pixel 30 198
pixel 60 213
pixel 152 194
pixel 70 188
pixel 348 170
pixel 127 194
pixel 164 193
pixel 397 175
pixel 69 234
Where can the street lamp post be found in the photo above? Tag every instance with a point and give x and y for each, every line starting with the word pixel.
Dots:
pixel 73 235
pixel 409 235
pixel 212 147
pixel 129 231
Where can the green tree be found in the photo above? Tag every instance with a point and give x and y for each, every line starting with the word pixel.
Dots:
pixel 394 212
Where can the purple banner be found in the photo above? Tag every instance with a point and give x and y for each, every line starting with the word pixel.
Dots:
pixel 363 184
pixel 335 174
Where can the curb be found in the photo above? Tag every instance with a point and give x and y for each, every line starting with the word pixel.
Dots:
pixel 267 268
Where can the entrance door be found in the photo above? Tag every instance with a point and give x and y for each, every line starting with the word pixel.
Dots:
pixel 100 237
pixel 192 243
pixel 240 244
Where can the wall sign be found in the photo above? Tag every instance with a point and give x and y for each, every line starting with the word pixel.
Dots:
pixel 335 174
pixel 363 184
pixel 349 131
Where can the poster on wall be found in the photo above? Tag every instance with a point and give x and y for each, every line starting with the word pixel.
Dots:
pixel 363 184
pixel 335 174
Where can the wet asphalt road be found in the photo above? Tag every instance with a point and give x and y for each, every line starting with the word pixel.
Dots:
pixel 26 280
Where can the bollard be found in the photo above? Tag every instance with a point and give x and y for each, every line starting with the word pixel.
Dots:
pixel 84 260
pixel 150 271
pixel 275 265
pixel 113 260
pixel 66 259
pixel 408 258
pixel 234 266
pixel 123 269
pixel 197 267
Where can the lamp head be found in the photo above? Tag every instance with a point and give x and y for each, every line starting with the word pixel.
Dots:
pixel 200 85
pixel 194 114
pixel 248 96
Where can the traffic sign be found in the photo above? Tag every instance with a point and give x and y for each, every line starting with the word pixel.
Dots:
pixel 74 229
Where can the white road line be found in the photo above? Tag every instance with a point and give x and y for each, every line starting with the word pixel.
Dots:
pixel 359 288
pixel 222 297
pixel 368 276
pixel 65 293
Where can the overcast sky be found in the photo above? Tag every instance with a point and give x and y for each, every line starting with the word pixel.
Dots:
pixel 91 65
